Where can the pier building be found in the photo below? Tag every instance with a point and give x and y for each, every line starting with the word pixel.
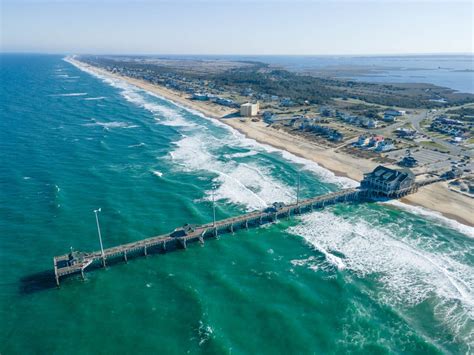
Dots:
pixel 386 182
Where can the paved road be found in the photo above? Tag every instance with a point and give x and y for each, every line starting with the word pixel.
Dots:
pixel 452 148
pixel 416 120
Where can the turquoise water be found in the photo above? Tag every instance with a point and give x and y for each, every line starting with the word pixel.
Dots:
pixel 366 278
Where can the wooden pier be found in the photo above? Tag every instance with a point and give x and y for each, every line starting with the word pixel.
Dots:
pixel 77 262
pixel 381 183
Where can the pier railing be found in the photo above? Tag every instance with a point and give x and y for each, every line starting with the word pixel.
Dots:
pixel 77 262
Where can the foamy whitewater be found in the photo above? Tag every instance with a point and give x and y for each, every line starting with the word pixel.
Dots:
pixel 408 274
pixel 365 278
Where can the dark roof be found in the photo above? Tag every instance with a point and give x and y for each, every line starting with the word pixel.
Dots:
pixel 389 175
pixel 276 206
pixel 183 231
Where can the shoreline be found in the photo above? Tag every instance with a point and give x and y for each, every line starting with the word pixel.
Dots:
pixel 437 197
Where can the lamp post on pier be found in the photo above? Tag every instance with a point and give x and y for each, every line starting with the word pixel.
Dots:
pixel 298 190
pixel 213 207
pixel 100 236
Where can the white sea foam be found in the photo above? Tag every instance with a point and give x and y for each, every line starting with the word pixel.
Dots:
pixel 172 117
pixel 205 332
pixel 137 145
pixel 157 173
pixel 247 184
pixel 241 154
pixel 435 216
pixel 95 98
pixel 108 125
pixel 71 94
pixel 164 115
pixel 409 273
pixel 133 94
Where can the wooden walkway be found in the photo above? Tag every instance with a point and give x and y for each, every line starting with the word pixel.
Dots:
pixel 77 262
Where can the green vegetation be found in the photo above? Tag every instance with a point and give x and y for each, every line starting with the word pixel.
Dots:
pixel 433 146
pixel 465 114
pixel 264 80
pixel 463 111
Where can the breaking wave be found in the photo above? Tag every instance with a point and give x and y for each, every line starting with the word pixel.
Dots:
pixel 174 117
pixel 241 154
pixel 411 269
pixel 109 125
pixel 157 173
pixel 95 98
pixel 435 216
pixel 71 94
pixel 246 184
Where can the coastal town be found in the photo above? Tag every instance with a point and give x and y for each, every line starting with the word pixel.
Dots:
pixel 346 134
pixel 269 177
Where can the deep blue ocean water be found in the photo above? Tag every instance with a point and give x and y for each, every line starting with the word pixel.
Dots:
pixel 366 278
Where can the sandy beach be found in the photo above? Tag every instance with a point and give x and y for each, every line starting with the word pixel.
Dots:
pixel 436 197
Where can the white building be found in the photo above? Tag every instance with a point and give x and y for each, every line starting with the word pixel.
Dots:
pixel 249 109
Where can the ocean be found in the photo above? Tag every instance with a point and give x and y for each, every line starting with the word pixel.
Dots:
pixel 360 278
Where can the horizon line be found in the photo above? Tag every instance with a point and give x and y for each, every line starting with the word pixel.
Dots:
pixel 240 54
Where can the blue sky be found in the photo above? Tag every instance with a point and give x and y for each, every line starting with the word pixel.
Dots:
pixel 237 27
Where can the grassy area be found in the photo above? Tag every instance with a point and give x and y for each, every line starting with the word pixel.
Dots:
pixel 408 125
pixel 433 146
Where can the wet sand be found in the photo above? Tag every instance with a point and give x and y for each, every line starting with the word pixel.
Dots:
pixel 436 197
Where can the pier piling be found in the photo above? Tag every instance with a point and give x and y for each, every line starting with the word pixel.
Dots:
pixel 64 265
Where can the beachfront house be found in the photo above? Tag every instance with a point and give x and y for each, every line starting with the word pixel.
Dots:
pixel 385 146
pixel 406 133
pixel 389 118
pixel 369 122
pixel 388 182
pixel 335 136
pixel 392 115
pixel 200 96
pixel 268 117
pixel 454 173
pixel 395 113
pixel 329 133
pixel 363 140
pixel 375 141
pixel 301 122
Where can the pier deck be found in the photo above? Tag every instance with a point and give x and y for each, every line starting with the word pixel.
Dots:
pixel 77 262
pixel 382 182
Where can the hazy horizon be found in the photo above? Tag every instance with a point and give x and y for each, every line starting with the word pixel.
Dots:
pixel 246 54
pixel 183 27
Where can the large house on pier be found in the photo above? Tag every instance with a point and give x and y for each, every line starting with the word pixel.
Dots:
pixel 388 182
